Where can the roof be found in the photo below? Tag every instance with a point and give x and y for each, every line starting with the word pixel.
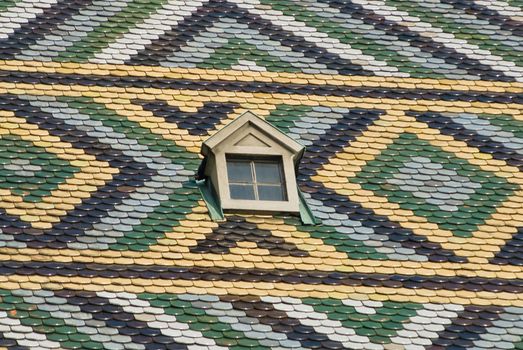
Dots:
pixel 411 114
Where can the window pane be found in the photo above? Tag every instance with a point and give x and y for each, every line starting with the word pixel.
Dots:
pixel 239 171
pixel 271 193
pixel 268 172
pixel 242 191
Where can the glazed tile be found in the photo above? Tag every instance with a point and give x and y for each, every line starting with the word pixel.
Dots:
pixel 410 113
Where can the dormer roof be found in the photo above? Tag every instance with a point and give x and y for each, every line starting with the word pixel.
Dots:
pixel 251 130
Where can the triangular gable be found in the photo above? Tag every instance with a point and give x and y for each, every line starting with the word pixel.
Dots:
pixel 252 141
pixel 261 134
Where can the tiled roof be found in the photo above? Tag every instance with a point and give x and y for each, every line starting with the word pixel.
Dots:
pixel 455 39
pixel 412 115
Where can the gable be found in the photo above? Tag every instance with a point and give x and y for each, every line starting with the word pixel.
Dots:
pixel 251 140
pixel 250 131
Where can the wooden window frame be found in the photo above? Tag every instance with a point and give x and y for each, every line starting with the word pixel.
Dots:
pixel 252 161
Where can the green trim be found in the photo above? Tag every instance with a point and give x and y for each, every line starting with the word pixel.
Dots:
pixel 306 215
pixel 210 199
pixel 216 212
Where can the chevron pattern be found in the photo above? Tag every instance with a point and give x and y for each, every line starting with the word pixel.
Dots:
pixel 68 319
pixel 411 113
pixel 423 39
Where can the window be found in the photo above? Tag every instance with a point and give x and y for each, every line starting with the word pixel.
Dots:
pixel 256 179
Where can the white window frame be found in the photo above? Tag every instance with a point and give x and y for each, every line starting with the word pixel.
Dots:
pixel 255 182
pixel 272 143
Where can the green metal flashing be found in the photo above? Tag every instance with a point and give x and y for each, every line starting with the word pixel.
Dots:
pixel 306 215
pixel 216 211
pixel 210 199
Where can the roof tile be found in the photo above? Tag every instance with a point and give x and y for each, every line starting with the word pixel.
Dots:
pixel 411 116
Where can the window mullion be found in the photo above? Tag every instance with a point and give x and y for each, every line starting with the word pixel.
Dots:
pixel 253 175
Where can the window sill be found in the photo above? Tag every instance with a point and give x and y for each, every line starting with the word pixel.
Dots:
pixel 216 211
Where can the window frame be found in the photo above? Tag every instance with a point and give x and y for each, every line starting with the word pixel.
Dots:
pixel 251 137
pixel 291 204
pixel 252 161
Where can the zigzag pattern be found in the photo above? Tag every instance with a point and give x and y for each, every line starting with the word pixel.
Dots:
pixel 422 39
pixel 68 319
pixel 411 114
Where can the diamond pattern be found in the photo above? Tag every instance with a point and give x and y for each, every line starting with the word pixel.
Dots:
pixel 410 112
pixel 30 171
pixel 418 174
pixel 435 184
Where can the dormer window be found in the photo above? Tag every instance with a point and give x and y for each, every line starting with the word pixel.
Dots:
pixel 249 166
